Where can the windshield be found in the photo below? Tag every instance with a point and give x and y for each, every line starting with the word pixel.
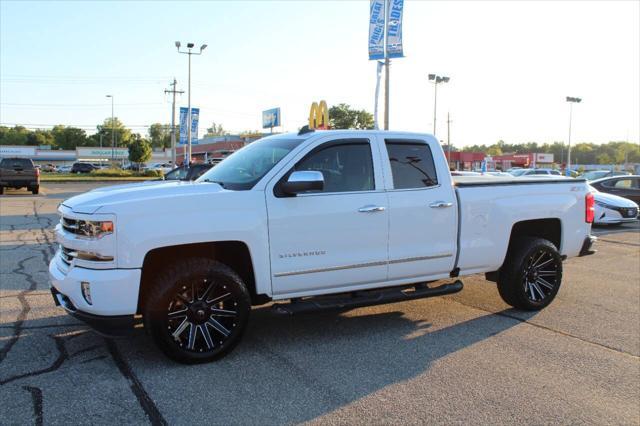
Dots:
pixel 595 174
pixel 518 172
pixel 244 168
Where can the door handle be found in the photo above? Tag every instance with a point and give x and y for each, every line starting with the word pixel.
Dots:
pixel 440 205
pixel 371 209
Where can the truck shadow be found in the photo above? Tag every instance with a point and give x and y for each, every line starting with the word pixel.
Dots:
pixel 286 370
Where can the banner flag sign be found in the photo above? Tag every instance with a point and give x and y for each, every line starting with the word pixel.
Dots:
pixel 195 115
pixel 271 118
pixel 394 28
pixel 376 29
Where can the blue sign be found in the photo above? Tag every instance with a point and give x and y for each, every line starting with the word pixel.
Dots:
pixel 195 117
pixel 376 29
pixel 271 118
pixel 394 28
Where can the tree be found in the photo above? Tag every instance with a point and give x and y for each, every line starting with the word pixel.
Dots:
pixel 41 137
pixel 17 135
pixel 160 135
pixel 68 137
pixel 121 133
pixel 342 116
pixel 139 150
pixel 215 130
pixel 251 134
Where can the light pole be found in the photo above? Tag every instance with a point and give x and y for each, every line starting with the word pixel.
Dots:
pixel 189 52
pixel 437 79
pixel 571 102
pixel 113 132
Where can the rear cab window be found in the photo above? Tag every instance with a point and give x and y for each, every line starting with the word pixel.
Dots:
pixel 412 165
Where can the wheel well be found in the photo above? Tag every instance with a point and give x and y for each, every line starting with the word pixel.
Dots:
pixel 549 229
pixel 234 254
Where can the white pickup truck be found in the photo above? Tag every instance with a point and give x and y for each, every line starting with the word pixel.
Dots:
pixel 314 220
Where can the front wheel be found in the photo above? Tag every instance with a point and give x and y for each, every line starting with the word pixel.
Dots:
pixel 197 310
pixel 531 275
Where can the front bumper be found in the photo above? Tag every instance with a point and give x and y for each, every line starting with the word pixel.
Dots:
pixel 587 246
pixel 112 325
pixel 114 293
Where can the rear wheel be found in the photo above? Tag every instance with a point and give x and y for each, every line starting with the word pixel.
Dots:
pixel 35 189
pixel 198 310
pixel 531 275
pixel 1 190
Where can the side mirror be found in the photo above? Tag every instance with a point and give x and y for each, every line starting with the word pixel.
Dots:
pixel 302 181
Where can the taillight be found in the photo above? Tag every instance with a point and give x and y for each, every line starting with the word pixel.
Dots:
pixel 589 208
pixel 37 172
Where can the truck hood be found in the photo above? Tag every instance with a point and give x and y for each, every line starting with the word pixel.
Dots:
pixel 107 198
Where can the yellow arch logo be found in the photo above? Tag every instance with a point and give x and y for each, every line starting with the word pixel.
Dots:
pixel 319 116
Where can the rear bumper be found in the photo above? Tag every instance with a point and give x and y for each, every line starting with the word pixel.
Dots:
pixel 587 246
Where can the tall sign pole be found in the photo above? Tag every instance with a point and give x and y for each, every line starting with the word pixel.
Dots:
pixel 385 40
pixel 173 91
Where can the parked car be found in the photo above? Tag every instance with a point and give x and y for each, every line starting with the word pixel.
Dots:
pixel 613 210
pixel 534 172
pixel 464 173
pixel 19 173
pixel 163 167
pixel 82 168
pixel 332 219
pixel 48 168
pixel 623 186
pixel 599 174
pixel 64 169
pixel 188 173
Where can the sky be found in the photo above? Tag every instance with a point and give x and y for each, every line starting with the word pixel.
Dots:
pixel 511 65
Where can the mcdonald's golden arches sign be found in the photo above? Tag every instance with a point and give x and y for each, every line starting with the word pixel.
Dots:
pixel 319 116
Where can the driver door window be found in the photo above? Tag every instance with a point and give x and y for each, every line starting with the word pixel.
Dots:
pixel 346 167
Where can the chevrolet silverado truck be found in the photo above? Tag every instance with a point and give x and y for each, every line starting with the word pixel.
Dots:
pixel 18 173
pixel 308 221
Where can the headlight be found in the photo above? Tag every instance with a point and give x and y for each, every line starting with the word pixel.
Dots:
pixel 94 229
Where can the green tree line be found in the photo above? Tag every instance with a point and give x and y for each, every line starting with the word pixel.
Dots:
pixel 69 137
pixel 614 152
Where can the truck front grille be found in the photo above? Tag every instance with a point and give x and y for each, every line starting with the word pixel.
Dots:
pixel 70 225
pixel 65 255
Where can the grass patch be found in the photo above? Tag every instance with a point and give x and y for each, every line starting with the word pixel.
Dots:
pixel 102 175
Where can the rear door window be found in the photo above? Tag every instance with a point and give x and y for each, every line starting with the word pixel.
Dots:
pixel 412 164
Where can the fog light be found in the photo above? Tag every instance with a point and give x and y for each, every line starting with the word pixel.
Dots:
pixel 86 291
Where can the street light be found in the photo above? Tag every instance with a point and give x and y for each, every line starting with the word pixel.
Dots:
pixel 113 131
pixel 571 101
pixel 437 79
pixel 189 52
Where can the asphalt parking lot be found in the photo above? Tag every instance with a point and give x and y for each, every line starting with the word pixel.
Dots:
pixel 465 358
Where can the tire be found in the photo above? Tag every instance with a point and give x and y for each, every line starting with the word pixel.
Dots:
pixel 35 190
pixel 1 190
pixel 531 274
pixel 180 323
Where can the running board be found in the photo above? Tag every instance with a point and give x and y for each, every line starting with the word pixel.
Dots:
pixel 365 298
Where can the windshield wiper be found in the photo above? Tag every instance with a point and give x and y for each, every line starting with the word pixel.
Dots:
pixel 214 181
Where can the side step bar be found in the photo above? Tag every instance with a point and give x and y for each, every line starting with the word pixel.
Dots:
pixel 365 298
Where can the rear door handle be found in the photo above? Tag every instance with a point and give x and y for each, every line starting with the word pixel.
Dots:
pixel 440 205
pixel 371 209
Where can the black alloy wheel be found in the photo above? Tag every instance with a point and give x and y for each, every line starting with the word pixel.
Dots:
pixel 531 275
pixel 197 311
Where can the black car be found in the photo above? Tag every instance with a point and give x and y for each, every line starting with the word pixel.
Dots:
pixel 622 186
pixel 188 173
pixel 82 168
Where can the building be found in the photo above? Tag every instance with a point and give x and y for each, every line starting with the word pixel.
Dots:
pixel 208 149
pixel 45 155
pixel 465 160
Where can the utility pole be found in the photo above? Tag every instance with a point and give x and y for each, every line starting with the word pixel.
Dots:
pixel 113 131
pixel 387 62
pixel 437 79
pixel 449 137
pixel 173 91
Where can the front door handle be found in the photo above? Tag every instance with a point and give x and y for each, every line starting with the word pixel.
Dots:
pixel 371 209
pixel 440 205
